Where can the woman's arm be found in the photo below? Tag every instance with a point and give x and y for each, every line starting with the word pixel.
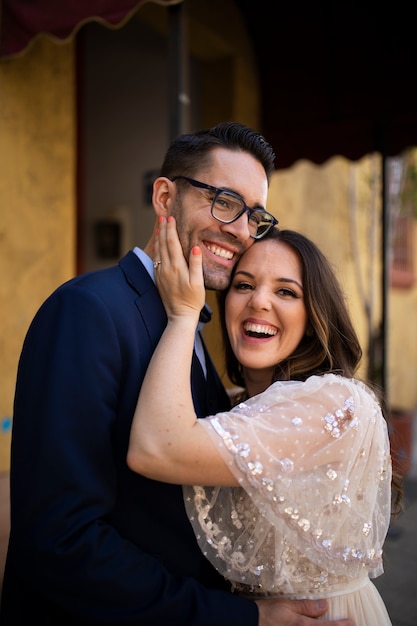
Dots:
pixel 166 441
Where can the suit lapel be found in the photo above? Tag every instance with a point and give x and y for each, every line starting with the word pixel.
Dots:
pixel 209 395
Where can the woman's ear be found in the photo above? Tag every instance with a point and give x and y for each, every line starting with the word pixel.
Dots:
pixel 163 196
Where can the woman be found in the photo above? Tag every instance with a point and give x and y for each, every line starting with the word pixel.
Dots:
pixel 305 460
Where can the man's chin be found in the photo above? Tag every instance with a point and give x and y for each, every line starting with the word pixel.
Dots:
pixel 216 280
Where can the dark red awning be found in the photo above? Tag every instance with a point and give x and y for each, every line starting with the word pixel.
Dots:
pixel 22 20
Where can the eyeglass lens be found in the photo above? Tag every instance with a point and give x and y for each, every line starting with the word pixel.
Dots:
pixel 226 207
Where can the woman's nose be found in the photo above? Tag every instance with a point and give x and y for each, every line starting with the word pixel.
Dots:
pixel 260 300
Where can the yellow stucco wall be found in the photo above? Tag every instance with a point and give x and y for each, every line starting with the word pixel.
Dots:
pixel 37 195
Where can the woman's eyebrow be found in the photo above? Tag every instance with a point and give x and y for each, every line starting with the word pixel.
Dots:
pixel 289 280
pixel 278 280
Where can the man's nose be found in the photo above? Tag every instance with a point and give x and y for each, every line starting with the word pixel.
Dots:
pixel 239 229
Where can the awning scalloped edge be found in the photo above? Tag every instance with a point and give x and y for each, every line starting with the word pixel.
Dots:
pixel 93 18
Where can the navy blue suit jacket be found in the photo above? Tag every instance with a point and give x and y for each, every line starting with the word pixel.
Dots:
pixel 92 542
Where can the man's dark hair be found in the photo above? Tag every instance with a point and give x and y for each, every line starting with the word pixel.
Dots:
pixel 189 153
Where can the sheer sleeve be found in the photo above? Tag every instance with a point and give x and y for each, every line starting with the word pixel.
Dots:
pixel 313 462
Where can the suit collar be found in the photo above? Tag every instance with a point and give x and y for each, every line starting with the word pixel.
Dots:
pixel 136 274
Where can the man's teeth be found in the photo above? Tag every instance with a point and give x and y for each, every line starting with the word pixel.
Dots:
pixel 224 254
pixel 260 329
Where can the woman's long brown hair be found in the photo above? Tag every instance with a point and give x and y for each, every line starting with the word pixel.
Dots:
pixel 330 343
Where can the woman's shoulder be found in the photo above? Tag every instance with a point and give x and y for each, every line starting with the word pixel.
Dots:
pixel 317 389
pixel 328 384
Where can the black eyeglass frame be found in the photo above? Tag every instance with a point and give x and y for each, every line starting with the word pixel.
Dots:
pixel 246 209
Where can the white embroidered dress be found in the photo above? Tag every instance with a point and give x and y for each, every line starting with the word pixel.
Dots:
pixel 313 509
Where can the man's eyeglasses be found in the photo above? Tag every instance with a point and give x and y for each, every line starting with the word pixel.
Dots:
pixel 228 206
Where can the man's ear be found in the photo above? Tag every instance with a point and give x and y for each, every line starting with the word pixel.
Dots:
pixel 163 196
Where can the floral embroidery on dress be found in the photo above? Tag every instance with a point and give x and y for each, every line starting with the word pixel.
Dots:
pixel 341 419
pixel 309 518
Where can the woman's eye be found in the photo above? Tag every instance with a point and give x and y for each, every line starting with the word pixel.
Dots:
pixel 242 286
pixel 286 292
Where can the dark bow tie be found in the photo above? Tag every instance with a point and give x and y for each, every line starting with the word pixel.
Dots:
pixel 205 314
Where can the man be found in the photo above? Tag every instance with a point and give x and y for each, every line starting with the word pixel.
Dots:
pixel 92 542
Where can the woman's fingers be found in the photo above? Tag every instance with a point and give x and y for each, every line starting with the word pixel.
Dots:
pixel 170 247
pixel 181 285
pixel 173 244
pixel 196 268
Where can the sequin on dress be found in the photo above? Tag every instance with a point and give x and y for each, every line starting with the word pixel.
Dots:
pixel 313 509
